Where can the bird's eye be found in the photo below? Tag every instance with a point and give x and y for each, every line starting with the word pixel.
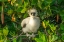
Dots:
pixel 31 13
pixel 34 13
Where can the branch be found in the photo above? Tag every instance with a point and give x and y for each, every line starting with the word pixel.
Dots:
pixel 18 36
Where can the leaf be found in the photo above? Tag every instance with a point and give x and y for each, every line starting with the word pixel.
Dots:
pixel 16 4
pixel 42 36
pixel 5 31
pixel 40 2
pixel 54 38
pixel 25 4
pixel 23 10
pixel 19 39
pixel 4 0
pixel 62 36
pixel 49 1
pixel 5 40
pixel 62 14
pixel 1 32
pixel 44 25
pixel 52 27
pixel 49 38
pixel 22 1
pixel 62 27
pixel 13 1
pixel 19 9
pixel 13 33
pixel 9 0
pixel 47 23
pixel 25 15
pixel 38 40
pixel 33 2
pixel 8 40
pixel 14 39
pixel 59 1
pixel 1 40
pixel 0 0
pixel 10 12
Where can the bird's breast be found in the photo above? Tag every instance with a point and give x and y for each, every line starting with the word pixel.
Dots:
pixel 33 22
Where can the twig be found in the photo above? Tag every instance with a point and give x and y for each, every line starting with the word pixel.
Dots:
pixel 18 36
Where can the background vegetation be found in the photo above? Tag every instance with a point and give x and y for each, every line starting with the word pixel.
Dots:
pixel 51 13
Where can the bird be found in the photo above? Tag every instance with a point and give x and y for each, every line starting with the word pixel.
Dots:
pixel 31 24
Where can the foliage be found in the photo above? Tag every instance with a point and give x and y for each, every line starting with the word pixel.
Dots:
pixel 42 37
pixel 51 13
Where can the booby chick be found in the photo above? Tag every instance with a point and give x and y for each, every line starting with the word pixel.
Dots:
pixel 31 24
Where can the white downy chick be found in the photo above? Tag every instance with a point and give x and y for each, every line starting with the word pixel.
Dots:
pixel 32 23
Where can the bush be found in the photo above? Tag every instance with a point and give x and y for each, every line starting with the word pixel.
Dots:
pixel 51 13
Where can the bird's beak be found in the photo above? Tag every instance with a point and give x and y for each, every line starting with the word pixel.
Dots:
pixel 33 14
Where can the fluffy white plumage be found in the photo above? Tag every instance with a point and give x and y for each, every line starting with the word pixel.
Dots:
pixel 32 23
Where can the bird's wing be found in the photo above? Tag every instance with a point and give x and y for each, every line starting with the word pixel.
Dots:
pixel 24 22
pixel 38 19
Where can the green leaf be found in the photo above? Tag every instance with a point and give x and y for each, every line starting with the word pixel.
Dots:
pixel 5 40
pixel 0 0
pixel 52 27
pixel 12 33
pixel 5 31
pixel 10 12
pixel 62 36
pixel 54 38
pixel 48 1
pixel 25 4
pixel 59 1
pixel 47 23
pixel 1 32
pixel 42 36
pixel 25 15
pixel 62 27
pixel 1 40
pixel 14 39
pixel 19 39
pixel 38 40
pixel 4 0
pixel 19 9
pixel 13 1
pixel 33 2
pixel 8 40
pixel 40 2
pixel 23 10
pixel 62 14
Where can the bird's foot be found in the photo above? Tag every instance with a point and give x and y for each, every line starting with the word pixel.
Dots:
pixel 30 36
pixel 27 34
pixel 33 35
